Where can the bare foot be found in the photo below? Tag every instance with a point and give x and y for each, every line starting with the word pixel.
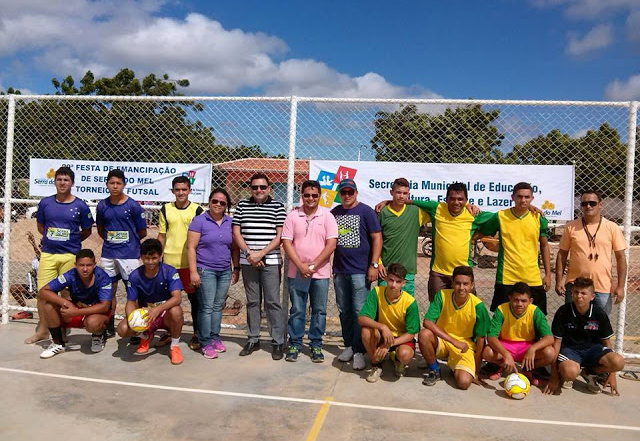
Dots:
pixel 35 338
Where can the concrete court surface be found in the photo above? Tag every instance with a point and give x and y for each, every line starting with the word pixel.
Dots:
pixel 114 395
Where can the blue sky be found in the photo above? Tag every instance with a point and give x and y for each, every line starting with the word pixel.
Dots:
pixel 493 49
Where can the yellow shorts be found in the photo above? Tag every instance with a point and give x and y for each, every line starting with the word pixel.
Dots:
pixel 456 359
pixel 53 265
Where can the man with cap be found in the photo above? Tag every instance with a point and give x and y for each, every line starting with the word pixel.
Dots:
pixel 355 265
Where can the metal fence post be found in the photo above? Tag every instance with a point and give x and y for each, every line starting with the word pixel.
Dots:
pixel 628 214
pixel 291 172
pixel 8 186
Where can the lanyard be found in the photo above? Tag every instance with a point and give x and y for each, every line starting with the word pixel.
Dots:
pixel 592 238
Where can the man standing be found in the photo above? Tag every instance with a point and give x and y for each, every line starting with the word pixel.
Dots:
pixel 173 227
pixel 257 227
pixel 589 241
pixel 452 226
pixel 64 222
pixel 520 233
pixel 309 236
pixel 121 225
pixel 400 227
pixel 355 266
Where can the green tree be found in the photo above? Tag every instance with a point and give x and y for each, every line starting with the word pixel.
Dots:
pixel 113 130
pixel 462 134
pixel 599 157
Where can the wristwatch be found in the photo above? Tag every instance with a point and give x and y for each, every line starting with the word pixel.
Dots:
pixel 374 265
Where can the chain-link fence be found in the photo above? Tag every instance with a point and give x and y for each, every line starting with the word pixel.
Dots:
pixel 240 136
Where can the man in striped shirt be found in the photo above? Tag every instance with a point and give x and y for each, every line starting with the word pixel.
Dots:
pixel 257 226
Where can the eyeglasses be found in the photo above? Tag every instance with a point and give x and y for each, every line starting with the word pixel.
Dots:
pixel 311 195
pixel 589 203
pixel 217 202
pixel 259 187
pixel 347 192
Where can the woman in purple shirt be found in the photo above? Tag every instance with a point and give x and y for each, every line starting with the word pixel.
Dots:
pixel 211 252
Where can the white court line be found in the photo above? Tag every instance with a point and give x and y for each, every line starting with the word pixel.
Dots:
pixel 331 403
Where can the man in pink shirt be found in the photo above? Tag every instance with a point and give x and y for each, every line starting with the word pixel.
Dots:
pixel 309 236
pixel 589 242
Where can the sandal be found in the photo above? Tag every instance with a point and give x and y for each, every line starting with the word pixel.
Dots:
pixel 22 315
pixel 497 374
pixel 630 375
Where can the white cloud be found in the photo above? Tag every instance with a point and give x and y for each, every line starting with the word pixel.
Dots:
pixel 83 35
pixel 589 9
pixel 633 27
pixel 624 90
pixel 598 37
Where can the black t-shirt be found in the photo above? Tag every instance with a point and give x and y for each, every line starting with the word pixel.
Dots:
pixel 580 331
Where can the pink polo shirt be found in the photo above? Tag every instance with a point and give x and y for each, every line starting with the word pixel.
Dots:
pixel 309 237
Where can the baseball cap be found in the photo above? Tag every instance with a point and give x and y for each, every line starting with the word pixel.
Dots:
pixel 347 183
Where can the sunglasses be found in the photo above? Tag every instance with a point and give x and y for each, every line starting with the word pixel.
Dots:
pixel 347 192
pixel 259 187
pixel 588 203
pixel 217 202
pixel 311 195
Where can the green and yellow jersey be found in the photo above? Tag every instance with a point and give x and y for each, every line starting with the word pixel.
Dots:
pixel 530 326
pixel 400 235
pixel 451 235
pixel 463 323
pixel 519 244
pixel 401 316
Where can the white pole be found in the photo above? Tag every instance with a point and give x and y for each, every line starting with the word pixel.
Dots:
pixel 11 114
pixel 628 209
pixel 293 121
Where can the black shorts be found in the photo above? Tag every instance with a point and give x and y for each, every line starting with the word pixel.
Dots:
pixel 501 295
pixel 585 357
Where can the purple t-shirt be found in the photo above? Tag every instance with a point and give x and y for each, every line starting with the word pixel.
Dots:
pixel 353 252
pixel 156 289
pixel 121 225
pixel 214 247
pixel 62 224
pixel 100 291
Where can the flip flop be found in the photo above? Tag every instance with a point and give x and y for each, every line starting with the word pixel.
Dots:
pixel 630 375
pixel 22 315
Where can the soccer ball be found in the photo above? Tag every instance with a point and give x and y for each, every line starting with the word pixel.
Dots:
pixel 517 386
pixel 138 320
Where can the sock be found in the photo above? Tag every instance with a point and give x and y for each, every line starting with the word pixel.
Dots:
pixel 112 323
pixel 56 335
pixel 434 366
pixel 175 341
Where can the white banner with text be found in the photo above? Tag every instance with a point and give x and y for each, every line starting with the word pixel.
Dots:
pixel 146 181
pixel 489 185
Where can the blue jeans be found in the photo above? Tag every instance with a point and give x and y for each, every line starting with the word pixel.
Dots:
pixel 602 299
pixel 351 293
pixel 318 291
pixel 212 293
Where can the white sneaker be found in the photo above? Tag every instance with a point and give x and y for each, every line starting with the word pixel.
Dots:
pixel 374 375
pixel 346 355
pixel 53 349
pixel 358 361
pixel 97 343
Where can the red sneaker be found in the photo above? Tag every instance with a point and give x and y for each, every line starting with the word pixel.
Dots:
pixel 22 315
pixel 176 355
pixel 144 346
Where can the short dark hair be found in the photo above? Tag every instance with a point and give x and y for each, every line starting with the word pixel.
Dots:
pixel 180 180
pixel 85 252
pixel 116 173
pixel 260 175
pixel 397 269
pixel 458 186
pixel 521 288
pixel 150 246
pixel 521 186
pixel 590 191
pixel 66 171
pixel 462 271
pixel 226 195
pixel 583 282
pixel 311 183
pixel 400 182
